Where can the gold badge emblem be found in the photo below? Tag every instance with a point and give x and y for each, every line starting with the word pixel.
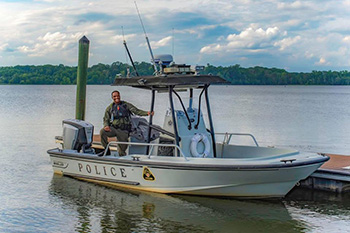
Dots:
pixel 147 174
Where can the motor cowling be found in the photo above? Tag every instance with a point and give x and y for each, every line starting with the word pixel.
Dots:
pixel 78 135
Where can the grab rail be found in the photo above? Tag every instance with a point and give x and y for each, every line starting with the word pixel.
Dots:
pixel 228 136
pixel 146 144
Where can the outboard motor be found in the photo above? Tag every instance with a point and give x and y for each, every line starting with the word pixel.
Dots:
pixel 78 135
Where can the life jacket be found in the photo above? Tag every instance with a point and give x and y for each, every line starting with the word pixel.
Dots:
pixel 119 111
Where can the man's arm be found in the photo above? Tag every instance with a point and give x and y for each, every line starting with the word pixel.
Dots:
pixel 107 117
pixel 136 111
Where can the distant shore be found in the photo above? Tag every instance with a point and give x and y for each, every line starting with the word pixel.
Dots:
pixel 105 74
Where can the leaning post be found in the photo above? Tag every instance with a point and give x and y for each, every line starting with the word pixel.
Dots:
pixel 81 78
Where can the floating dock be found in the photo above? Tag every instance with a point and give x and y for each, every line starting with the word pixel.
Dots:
pixel 332 176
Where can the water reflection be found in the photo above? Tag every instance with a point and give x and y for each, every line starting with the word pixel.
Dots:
pixel 320 211
pixel 103 209
pixel 323 202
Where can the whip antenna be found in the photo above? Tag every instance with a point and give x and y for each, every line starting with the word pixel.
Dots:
pixel 149 46
pixel 124 42
pixel 127 50
pixel 173 44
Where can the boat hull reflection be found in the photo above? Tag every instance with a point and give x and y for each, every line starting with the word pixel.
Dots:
pixel 104 209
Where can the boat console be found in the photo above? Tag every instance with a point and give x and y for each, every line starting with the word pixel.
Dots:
pixel 195 140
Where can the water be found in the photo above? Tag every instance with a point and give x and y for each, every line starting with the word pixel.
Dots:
pixel 312 118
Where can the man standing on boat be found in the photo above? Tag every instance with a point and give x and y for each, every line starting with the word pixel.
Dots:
pixel 117 121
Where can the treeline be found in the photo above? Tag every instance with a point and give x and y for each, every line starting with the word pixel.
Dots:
pixel 272 76
pixel 105 74
pixel 61 74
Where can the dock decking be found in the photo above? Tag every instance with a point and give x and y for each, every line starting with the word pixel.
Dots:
pixel 333 176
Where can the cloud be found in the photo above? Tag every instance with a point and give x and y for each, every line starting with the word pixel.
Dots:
pixel 4 47
pixel 287 42
pixel 252 39
pixel 93 17
pixel 160 43
pixel 300 35
pixel 50 43
pixel 50 1
pixel 296 5
pixel 322 61
pixel 120 38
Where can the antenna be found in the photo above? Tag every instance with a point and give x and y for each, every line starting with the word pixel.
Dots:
pixel 173 44
pixel 127 50
pixel 126 55
pixel 149 46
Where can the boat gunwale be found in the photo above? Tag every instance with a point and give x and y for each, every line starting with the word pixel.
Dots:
pixel 183 166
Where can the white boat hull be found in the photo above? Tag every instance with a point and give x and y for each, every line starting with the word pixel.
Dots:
pixel 194 176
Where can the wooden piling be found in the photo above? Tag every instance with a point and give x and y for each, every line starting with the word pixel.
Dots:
pixel 81 78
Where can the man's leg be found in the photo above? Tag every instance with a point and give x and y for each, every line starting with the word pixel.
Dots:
pixel 122 136
pixel 104 136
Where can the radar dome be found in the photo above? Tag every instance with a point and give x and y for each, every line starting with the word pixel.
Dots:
pixel 164 59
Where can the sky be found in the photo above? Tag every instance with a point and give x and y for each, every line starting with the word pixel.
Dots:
pixel 299 36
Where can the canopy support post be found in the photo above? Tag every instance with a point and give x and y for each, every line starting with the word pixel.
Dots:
pixel 177 138
pixel 190 101
pixel 210 119
pixel 150 119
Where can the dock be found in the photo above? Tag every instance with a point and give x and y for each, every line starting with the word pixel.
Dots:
pixel 332 176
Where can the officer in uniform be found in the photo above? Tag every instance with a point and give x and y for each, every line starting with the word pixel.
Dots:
pixel 117 122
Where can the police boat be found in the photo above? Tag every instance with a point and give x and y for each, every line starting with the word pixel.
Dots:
pixel 185 156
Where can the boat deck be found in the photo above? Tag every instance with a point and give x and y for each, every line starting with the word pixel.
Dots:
pixel 97 141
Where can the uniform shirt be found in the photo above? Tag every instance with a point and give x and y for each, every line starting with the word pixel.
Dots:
pixel 121 121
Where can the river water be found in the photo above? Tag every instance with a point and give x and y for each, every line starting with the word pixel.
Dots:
pixel 33 199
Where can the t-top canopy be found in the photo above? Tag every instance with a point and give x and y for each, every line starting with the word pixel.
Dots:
pixel 163 82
